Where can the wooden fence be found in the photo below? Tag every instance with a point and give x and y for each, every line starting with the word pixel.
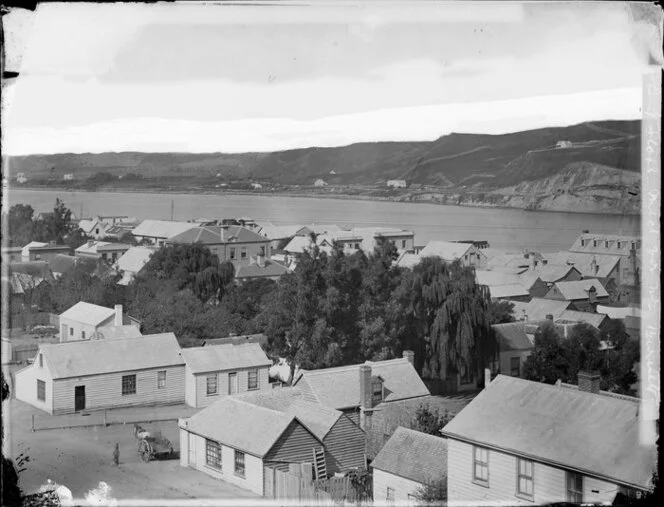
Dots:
pixel 297 485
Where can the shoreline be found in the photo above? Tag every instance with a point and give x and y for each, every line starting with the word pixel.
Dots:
pixel 309 195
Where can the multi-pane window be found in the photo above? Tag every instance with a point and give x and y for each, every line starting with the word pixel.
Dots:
pixel 41 361
pixel 574 487
pixel 376 392
pixel 232 253
pixel 41 390
pixel 243 252
pixel 389 494
pixel 212 385
pixel 252 381
pixel 161 379
pixel 128 384
pixel 515 364
pixel 525 482
pixel 212 454
pixel 239 463
pixel 481 465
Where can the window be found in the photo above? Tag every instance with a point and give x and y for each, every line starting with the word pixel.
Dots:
pixel 128 384
pixel 41 361
pixel 82 335
pixel 71 331
pixel 212 385
pixel 252 379
pixel 41 390
pixel 524 481
pixel 161 379
pixel 212 454
pixel 389 494
pixel 594 242
pixel 104 256
pixel 574 487
pixel 412 499
pixel 97 230
pixel 620 245
pixel 403 243
pixel 262 251
pixel 243 252
pixel 357 246
pixel 114 256
pixel 606 244
pixel 481 465
pixel 232 253
pixel 515 363
pixel 376 392
pixel 239 463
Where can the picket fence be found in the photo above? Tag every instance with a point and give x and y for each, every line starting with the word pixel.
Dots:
pixel 297 485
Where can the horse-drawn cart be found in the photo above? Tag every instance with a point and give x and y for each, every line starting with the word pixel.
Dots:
pixel 152 446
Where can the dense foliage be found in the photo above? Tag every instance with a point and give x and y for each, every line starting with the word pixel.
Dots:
pixel 611 352
pixel 21 226
pixel 432 493
pixel 430 421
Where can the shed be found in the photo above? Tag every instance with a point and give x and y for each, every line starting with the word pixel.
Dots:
pixel 236 441
pixel 514 347
pixel 409 460
pixel 215 371
pixel 83 320
pixel 86 375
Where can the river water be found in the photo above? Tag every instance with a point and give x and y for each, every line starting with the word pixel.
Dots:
pixel 511 229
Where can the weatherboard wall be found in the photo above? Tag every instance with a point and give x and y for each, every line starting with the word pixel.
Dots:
pixel 344 446
pixel 295 445
pixel 25 386
pixel 549 483
pixel 223 384
pixel 105 391
pixel 403 490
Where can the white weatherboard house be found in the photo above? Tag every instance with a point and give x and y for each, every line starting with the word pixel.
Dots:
pixel 235 441
pixel 212 372
pixel 84 321
pixel 409 460
pixel 87 375
pixel 527 443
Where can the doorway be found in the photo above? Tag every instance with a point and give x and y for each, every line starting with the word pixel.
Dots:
pixel 79 398
pixel 232 383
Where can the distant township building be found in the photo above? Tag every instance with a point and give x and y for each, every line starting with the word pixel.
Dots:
pixel 524 443
pixel 320 183
pixel 397 183
pixel 38 251
pixel 366 238
pixel 84 321
pixel 158 231
pixel 102 250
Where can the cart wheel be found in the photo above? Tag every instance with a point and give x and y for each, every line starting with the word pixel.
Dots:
pixel 146 456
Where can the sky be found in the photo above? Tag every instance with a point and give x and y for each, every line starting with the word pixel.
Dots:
pixel 235 78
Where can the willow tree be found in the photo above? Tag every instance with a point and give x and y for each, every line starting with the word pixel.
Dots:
pixel 449 318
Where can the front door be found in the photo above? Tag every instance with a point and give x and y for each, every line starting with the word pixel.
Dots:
pixel 63 333
pixel 79 398
pixel 192 449
pixel 232 383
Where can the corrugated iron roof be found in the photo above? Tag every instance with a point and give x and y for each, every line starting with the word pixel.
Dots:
pixel 594 433
pixel 134 259
pixel 594 319
pixel 161 228
pixel 573 291
pixel 583 262
pixel 217 234
pixel 340 387
pixel 539 308
pixel 413 455
pixel 241 425
pixel 446 250
pixel 224 357
pixel 96 357
pixel 506 291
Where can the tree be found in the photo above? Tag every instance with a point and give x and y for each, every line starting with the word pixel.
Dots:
pixel 548 361
pixel 430 421
pixel 55 226
pixel 19 224
pixel 500 311
pixel 432 493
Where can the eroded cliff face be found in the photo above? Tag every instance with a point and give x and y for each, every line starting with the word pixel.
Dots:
pixel 581 187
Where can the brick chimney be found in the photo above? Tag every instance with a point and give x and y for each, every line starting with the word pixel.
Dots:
pixel 118 315
pixel 589 381
pixel 410 355
pixel 592 295
pixel 366 397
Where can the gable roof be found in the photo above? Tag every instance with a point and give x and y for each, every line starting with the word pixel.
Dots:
pixel 601 248
pixel 34 268
pixel 413 455
pixel 298 244
pixel 259 338
pixel 94 247
pixel 340 387
pixel 96 357
pixel 408 260
pixel 134 259
pixel 600 432
pixel 572 291
pixel 241 425
pixel 20 283
pixel 62 263
pixel 446 250
pixel 583 262
pixel 317 418
pixel 539 308
pixel 512 336
pixel 87 313
pixel 619 312
pixel 119 332
pixel 506 291
pixel 224 357
pixel 161 228
pixel 594 319
pixel 217 235
pixel 275 232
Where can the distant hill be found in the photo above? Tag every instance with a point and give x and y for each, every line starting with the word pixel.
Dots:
pixel 455 160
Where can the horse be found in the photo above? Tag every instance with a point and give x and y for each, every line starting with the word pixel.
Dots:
pixel 140 433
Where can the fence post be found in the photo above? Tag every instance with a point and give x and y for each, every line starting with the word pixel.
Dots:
pixel 33 423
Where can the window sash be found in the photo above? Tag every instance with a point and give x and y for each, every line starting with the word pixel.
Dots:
pixel 574 487
pixel 213 454
pixel 252 379
pixel 389 494
pixel 243 252
pixel 239 463
pixel 232 253
pixel 525 478
pixel 481 464
pixel 212 385
pixel 515 366
pixel 128 385
pixel 41 390
pixel 161 379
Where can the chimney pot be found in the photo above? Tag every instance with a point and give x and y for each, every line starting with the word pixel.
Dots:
pixel 118 315
pixel 410 355
pixel 589 381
